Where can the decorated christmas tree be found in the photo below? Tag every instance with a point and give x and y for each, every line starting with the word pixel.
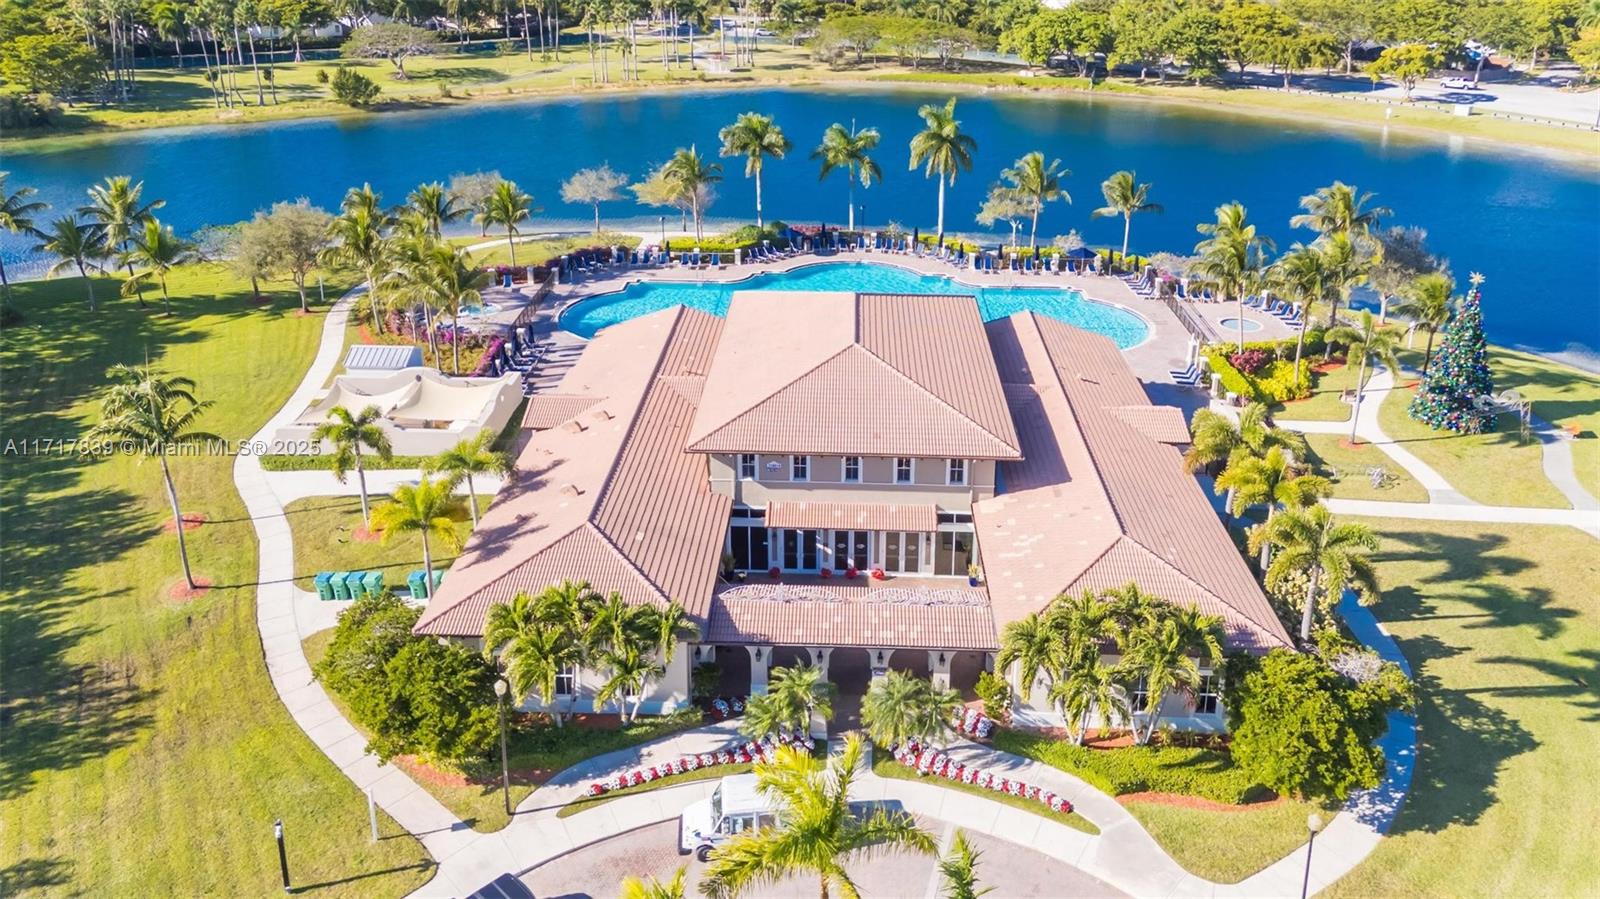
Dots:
pixel 1459 375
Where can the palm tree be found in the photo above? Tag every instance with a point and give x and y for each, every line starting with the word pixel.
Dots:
pixel 507 206
pixel 817 831
pixel 423 509
pixel 959 870
pixel 901 707
pixel 1348 260
pixel 1429 303
pixel 1085 688
pixel 1333 557
pixel 755 137
pixel 157 413
pixel 534 638
pixel 942 148
pixel 632 669
pixel 1034 645
pixel 473 456
pixel 1338 209
pixel 1162 650
pixel 432 207
pixel 16 217
pixel 157 251
pixel 669 627
pixel 691 178
pixel 1124 196
pixel 1300 276
pixel 73 243
pixel 1037 183
pixel 1231 258
pixel 613 623
pixel 1216 437
pixel 117 206
pixel 849 150
pixel 1273 480
pixel 635 888
pixel 359 241
pixel 349 434
pixel 794 694
pixel 443 277
pixel 1369 343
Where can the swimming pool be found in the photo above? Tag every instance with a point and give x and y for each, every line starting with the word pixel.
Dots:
pixel 479 310
pixel 586 317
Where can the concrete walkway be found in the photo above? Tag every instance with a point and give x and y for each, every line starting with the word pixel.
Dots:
pixel 292 485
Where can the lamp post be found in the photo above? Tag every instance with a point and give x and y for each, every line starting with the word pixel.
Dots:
pixel 663 233
pixel 501 688
pixel 283 856
pixel 1313 827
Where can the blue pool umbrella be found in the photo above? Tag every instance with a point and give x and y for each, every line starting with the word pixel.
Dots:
pixel 1081 253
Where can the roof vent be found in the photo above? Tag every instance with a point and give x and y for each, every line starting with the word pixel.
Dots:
pixel 573 427
pixel 571 490
pixel 602 415
pixel 1086 379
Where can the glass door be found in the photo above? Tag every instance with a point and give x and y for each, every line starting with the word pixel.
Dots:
pixel 851 548
pixel 902 552
pixel 800 550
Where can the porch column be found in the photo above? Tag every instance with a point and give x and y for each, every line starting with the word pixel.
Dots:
pixel 939 668
pixel 760 660
pixel 819 657
pixel 878 659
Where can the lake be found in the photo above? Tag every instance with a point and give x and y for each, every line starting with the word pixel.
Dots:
pixel 1530 223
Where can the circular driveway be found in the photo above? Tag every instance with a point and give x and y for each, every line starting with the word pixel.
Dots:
pixel 596 871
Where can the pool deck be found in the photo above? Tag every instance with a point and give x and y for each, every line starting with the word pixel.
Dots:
pixel 1152 360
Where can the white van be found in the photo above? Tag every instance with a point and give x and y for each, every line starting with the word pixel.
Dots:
pixel 734 807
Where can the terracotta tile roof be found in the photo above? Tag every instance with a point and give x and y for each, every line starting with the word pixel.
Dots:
pixel 786 360
pixel 1163 424
pixel 546 410
pixel 609 496
pixel 1098 501
pixel 919 617
pixel 867 516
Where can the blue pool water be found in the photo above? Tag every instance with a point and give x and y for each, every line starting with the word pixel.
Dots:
pixel 587 317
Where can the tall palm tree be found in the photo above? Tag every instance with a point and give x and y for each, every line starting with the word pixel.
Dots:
pixel 1339 209
pixel 156 251
pixel 16 216
pixel 613 623
pixel 942 148
pixel 1232 257
pixel 1370 343
pixel 360 241
pixel 817 831
pixel 507 207
pixel 1301 276
pixel 349 434
pixel 670 626
pixel 1034 645
pixel 901 707
pixel 1273 480
pixel 959 870
pixel 72 242
pixel 422 509
pixel 636 888
pixel 1037 182
pixel 794 694
pixel 1428 302
pixel 1165 650
pixel 157 413
pixel 1332 556
pixel 536 642
pixel 1124 196
pixel 849 150
pixel 691 177
pixel 473 456
pixel 1348 261
pixel 1087 687
pixel 432 207
pixel 756 137
pixel 117 205
pixel 631 669
pixel 442 277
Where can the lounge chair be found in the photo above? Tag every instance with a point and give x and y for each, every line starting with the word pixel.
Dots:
pixel 1186 377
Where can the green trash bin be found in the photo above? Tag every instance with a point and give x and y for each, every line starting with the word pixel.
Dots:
pixel 373 582
pixel 415 583
pixel 438 578
pixel 341 586
pixel 324 584
pixel 354 584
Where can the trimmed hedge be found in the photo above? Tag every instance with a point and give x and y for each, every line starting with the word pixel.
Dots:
pixel 739 239
pixel 324 462
pixel 1274 383
pixel 1207 773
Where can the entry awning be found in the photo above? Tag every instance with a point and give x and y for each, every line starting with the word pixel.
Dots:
pixel 864 516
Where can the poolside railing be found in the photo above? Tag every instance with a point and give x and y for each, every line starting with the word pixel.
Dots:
pixel 1194 324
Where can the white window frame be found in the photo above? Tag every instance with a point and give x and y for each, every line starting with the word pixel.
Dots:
pixel 755 466
pixel 1210 687
pixel 911 469
pixel 844 470
pixel 800 464
pixel 569 675
pixel 1138 695
pixel 955 472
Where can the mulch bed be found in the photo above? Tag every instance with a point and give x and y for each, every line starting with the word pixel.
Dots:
pixel 1358 446
pixel 1323 368
pixel 192 521
pixel 427 773
pixel 361 534
pixel 1195 802
pixel 180 591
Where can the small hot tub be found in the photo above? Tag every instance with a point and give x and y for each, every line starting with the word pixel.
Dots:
pixel 1232 324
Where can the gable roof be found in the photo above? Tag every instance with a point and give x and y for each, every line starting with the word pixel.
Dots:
pixel 788 366
pixel 1098 500
pixel 609 495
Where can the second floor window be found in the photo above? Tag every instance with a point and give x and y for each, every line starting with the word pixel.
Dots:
pixel 956 472
pixel 799 468
pixel 852 469
pixel 903 472
pixel 747 466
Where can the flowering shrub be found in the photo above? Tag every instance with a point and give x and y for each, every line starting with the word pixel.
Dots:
pixel 1250 361
pixel 929 762
pixel 973 723
pixel 850 573
pixel 825 573
pixel 774 572
pixel 763 750
pixel 877 574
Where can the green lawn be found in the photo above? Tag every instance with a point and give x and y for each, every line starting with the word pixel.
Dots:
pixel 1501 624
pixel 884 765
pixel 324 527
pixel 1206 773
pixel 1227 846
pixel 1324 403
pixel 1348 469
pixel 144 751
pixel 1562 395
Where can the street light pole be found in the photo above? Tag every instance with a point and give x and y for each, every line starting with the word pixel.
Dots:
pixel 283 856
pixel 1313 827
pixel 501 688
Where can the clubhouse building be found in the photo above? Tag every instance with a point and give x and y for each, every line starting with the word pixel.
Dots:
pixel 855 481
